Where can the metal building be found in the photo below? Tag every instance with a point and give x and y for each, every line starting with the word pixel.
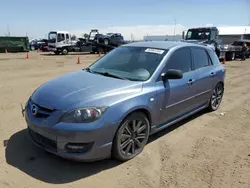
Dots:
pixel 230 34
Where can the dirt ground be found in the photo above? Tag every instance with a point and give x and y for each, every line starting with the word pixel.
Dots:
pixel 207 150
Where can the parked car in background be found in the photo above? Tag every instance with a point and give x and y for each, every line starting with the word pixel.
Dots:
pixel 41 44
pixel 113 106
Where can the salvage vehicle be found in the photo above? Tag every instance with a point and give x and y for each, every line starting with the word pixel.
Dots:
pixel 40 44
pixel 114 39
pixel 209 36
pixel 113 106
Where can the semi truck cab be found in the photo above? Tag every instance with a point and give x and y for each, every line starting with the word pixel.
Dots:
pixel 208 36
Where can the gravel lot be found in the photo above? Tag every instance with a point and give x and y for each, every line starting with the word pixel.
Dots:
pixel 206 150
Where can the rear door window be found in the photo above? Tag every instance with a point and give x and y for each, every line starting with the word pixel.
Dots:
pixel 200 58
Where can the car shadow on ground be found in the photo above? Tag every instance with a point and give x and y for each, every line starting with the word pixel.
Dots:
pixel 175 126
pixel 24 155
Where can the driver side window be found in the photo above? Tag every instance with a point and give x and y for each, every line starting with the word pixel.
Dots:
pixel 181 60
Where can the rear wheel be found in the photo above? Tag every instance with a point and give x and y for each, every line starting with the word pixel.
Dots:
pixel 216 97
pixel 106 41
pixel 131 137
pixel 230 56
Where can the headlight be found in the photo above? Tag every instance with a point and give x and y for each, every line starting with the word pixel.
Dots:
pixel 83 115
pixel 225 47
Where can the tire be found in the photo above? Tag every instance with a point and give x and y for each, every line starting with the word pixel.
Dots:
pixel 131 137
pixel 57 53
pixel 216 97
pixel 99 50
pixel 65 51
pixel 106 41
pixel 230 56
pixel 32 48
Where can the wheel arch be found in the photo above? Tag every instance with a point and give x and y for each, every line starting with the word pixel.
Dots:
pixel 143 110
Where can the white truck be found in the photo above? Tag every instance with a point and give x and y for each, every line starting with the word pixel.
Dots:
pixel 60 42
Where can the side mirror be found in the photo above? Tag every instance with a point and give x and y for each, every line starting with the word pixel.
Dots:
pixel 172 74
pixel 183 35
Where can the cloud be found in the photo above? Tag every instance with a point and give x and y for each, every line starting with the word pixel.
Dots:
pixel 137 32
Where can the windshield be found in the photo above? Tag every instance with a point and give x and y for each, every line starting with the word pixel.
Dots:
pixel 133 63
pixel 52 37
pixel 198 34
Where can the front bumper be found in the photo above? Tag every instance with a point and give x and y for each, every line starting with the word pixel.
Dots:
pixel 55 139
pixel 52 49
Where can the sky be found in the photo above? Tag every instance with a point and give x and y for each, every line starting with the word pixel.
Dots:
pixel 132 18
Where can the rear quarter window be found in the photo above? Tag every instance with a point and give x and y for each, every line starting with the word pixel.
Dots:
pixel 214 58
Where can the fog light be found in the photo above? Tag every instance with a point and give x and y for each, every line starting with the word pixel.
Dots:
pixel 78 147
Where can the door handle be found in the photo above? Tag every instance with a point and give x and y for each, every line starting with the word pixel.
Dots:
pixel 191 81
pixel 212 74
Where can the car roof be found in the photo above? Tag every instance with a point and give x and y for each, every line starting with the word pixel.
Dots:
pixel 162 44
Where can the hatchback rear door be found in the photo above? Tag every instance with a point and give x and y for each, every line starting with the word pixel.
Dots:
pixel 205 74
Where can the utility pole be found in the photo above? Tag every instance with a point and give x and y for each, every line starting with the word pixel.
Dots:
pixel 174 28
pixel 8 30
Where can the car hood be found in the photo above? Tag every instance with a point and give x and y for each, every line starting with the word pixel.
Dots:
pixel 81 89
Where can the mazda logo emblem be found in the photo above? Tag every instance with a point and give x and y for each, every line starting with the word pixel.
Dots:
pixel 34 109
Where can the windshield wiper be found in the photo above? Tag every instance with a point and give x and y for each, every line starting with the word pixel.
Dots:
pixel 110 75
pixel 105 74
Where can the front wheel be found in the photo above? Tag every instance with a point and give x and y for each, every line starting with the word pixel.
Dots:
pixel 216 97
pixel 32 48
pixel 65 51
pixel 131 137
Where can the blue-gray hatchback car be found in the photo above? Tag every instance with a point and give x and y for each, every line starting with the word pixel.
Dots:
pixel 114 105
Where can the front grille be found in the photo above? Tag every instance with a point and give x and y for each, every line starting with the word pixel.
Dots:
pixel 42 112
pixel 42 140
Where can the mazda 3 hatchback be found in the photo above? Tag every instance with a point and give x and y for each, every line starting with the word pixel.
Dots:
pixel 113 106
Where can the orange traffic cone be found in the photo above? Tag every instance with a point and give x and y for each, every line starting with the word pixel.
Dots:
pixel 27 55
pixel 224 61
pixel 78 60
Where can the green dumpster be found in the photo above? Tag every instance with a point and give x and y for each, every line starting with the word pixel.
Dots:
pixel 14 44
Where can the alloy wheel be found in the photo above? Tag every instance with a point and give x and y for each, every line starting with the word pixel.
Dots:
pixel 133 137
pixel 217 96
